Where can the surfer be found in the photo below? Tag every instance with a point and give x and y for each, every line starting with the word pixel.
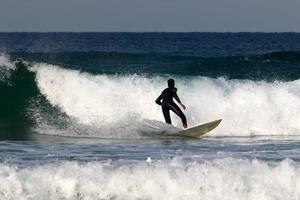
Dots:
pixel 167 103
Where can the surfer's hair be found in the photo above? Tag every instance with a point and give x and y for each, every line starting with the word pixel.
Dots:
pixel 171 83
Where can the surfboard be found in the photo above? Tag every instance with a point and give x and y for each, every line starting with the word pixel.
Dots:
pixel 197 131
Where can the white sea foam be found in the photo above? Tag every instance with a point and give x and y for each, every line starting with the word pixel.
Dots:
pixel 6 67
pixel 123 103
pixel 5 61
pixel 225 179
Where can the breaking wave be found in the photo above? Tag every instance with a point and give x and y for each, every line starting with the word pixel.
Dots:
pixel 56 100
pixel 169 179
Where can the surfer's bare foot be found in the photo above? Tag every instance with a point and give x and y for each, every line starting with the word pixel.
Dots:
pixel 185 125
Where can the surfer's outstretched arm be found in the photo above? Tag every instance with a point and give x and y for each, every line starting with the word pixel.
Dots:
pixel 158 100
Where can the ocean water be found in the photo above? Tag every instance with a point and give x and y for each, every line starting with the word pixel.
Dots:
pixel 74 108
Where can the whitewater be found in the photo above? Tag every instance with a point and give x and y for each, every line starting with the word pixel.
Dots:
pixel 56 168
pixel 248 108
pixel 220 179
pixel 125 103
pixel 73 116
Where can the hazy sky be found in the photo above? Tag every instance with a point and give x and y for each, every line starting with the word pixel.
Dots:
pixel 150 15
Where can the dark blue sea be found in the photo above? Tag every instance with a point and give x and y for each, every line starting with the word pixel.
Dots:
pixel 75 107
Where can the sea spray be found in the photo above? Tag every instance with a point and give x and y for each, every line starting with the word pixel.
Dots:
pixel 247 107
pixel 6 68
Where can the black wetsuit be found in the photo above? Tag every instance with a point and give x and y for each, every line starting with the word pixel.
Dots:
pixel 168 104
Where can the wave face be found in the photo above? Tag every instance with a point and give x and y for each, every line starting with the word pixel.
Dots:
pixel 53 99
pixel 173 179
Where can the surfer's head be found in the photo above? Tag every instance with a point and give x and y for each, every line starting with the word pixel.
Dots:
pixel 171 83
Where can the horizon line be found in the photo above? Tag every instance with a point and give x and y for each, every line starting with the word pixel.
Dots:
pixel 264 32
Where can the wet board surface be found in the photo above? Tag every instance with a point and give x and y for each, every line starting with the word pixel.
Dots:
pixel 199 130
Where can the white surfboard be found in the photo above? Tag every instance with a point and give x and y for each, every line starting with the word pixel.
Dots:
pixel 199 130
